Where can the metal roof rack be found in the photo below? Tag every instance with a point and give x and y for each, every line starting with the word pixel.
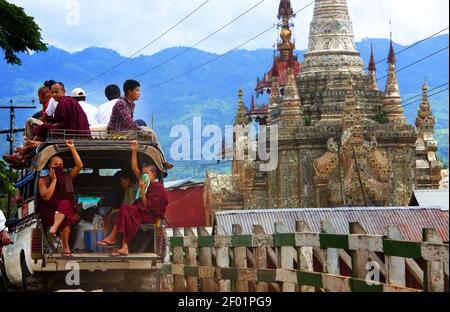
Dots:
pixel 94 137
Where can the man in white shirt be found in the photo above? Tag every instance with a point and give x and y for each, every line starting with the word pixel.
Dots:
pixel 51 108
pixel 90 110
pixel 4 236
pixel 112 93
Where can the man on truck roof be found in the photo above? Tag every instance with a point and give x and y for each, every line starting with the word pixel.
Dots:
pixel 122 118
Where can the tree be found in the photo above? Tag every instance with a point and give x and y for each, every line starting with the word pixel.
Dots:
pixel 6 187
pixel 18 33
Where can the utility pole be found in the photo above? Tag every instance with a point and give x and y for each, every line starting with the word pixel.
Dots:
pixel 10 137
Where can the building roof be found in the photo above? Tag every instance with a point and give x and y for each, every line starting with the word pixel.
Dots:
pixel 279 69
pixel 409 220
pixel 181 183
pixel 432 198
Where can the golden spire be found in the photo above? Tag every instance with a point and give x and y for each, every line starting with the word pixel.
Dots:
pixel 285 13
pixel 372 71
pixel 241 115
pixel 425 121
pixel 393 102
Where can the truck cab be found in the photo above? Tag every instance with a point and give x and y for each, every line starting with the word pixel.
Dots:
pixel 33 262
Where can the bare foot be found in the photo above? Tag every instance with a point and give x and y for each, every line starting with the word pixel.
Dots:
pixel 107 241
pixel 122 251
pixel 53 231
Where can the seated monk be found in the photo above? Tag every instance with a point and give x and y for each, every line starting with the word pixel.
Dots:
pixel 56 201
pixel 122 192
pixel 69 115
pixel 151 202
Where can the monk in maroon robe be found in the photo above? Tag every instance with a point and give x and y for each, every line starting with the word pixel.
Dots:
pixel 149 206
pixel 69 115
pixel 56 201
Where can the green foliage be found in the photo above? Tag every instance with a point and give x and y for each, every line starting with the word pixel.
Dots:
pixel 6 187
pixel 445 167
pixel 381 118
pixel 308 121
pixel 18 32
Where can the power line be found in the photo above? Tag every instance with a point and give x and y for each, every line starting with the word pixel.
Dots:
pixel 147 45
pixel 419 95
pixel 416 62
pixel 222 55
pixel 429 96
pixel 201 41
pixel 413 45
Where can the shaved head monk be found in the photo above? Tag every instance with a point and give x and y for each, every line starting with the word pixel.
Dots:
pixel 69 115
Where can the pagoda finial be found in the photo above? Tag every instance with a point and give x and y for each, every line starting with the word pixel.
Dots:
pixel 391 57
pixel 241 115
pixel 393 103
pixel 372 65
pixel 372 71
pixel 285 13
pixel 392 88
pixel 425 121
pixel 285 9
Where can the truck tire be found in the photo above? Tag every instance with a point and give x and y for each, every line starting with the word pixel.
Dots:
pixel 30 283
pixel 3 279
pixel 150 281
pixel 141 281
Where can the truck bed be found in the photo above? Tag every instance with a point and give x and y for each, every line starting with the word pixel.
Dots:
pixel 102 262
pixel 106 256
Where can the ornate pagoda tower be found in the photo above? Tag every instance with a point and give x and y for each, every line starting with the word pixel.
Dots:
pixel 393 108
pixel 284 58
pixel 331 40
pixel 373 71
pixel 333 149
pixel 429 168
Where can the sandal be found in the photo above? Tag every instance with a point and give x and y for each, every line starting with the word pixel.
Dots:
pixel 67 254
pixel 118 254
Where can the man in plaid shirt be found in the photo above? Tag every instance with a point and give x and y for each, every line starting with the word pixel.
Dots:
pixel 123 111
pixel 122 117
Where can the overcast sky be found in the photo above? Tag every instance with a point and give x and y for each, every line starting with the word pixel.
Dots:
pixel 127 26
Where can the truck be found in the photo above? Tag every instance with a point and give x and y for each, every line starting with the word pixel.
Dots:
pixel 33 262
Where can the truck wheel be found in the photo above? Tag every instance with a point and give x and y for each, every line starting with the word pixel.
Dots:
pixel 3 281
pixel 25 275
pixel 150 281
pixel 29 281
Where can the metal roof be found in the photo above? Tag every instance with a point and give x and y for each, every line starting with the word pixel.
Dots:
pixel 181 183
pixel 409 220
pixel 432 198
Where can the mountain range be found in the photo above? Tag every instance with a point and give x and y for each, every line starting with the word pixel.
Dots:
pixel 209 92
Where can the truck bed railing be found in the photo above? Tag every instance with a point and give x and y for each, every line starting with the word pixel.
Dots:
pixel 59 136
